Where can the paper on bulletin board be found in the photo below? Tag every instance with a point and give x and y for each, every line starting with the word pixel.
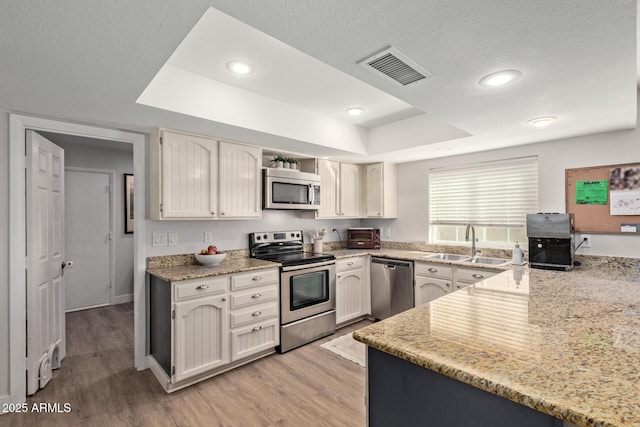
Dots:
pixel 592 192
pixel 625 191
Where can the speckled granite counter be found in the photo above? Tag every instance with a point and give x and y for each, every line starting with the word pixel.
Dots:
pixel 230 265
pixel 564 343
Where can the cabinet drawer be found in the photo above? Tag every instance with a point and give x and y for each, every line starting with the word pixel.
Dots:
pixel 434 270
pixel 472 276
pixel 350 263
pixel 254 314
pixel 201 287
pixel 254 278
pixel 254 339
pixel 254 296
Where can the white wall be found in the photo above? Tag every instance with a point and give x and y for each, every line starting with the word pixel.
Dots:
pixel 553 158
pixel 4 254
pixel 120 161
pixel 232 234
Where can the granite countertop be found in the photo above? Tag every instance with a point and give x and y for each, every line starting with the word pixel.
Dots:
pixel 564 343
pixel 409 255
pixel 230 265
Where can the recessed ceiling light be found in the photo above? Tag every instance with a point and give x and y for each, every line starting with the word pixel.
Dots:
pixel 500 78
pixel 238 67
pixel 540 122
pixel 355 111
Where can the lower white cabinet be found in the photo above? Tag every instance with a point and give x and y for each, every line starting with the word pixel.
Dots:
pixel 202 327
pixel 352 289
pixel 433 280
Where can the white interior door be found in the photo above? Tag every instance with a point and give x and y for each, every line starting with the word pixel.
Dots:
pixel 45 257
pixel 88 238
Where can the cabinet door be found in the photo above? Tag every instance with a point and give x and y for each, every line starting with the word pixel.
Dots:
pixel 201 336
pixel 329 172
pixel 189 176
pixel 350 191
pixel 427 289
pixel 350 295
pixel 374 194
pixel 239 190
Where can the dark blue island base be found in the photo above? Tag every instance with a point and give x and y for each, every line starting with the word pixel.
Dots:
pixel 403 394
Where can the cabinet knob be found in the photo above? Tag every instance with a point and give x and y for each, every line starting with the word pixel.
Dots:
pixel 448 285
pixel 256 313
pixel 213 213
pixel 339 276
pixel 224 299
pixel 202 287
pixel 432 270
pixel 257 278
pixel 257 328
pixel 458 286
pixel 222 213
pixel 256 296
pixel 477 276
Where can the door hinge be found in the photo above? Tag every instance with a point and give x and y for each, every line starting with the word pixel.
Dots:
pixel 173 371
pixel 161 141
pixel 173 314
pixel 161 208
pixel 110 236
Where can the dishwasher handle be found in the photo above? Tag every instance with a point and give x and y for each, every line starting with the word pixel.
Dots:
pixel 392 264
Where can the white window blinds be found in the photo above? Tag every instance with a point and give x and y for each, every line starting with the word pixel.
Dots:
pixel 494 194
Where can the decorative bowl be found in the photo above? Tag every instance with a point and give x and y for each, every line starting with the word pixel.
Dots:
pixel 210 260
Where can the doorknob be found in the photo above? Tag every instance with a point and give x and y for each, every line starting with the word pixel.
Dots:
pixel 67 264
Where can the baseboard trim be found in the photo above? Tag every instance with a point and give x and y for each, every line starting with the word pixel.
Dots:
pixel 122 299
pixel 4 402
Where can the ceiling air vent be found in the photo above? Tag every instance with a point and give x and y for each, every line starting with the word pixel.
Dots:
pixel 395 66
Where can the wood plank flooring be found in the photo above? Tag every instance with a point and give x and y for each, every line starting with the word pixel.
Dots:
pixel 308 386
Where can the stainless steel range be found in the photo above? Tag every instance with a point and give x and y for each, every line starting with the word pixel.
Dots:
pixel 307 287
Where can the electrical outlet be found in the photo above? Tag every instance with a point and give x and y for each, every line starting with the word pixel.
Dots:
pixel 208 236
pixel 173 238
pixel 586 238
pixel 159 239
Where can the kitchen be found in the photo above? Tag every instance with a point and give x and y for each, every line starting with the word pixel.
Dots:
pixel 556 154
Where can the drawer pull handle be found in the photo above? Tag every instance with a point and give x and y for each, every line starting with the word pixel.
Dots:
pixel 256 296
pixel 257 328
pixel 202 287
pixel 257 278
pixel 256 313
pixel 477 276
pixel 432 270
pixel 350 263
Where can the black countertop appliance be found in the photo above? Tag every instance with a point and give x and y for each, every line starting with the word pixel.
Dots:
pixel 550 241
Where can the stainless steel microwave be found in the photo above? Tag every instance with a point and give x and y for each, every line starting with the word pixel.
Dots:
pixel 290 189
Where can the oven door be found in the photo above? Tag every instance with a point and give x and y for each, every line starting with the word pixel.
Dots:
pixel 306 290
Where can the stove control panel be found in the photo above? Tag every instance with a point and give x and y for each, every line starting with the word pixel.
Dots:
pixel 275 236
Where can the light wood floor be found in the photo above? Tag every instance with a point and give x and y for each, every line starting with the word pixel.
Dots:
pixel 308 386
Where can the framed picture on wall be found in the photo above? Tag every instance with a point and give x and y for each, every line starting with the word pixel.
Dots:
pixel 128 203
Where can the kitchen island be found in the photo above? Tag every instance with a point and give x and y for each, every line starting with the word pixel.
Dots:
pixel 521 348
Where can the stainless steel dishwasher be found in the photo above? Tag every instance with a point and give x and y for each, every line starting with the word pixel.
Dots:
pixel 391 287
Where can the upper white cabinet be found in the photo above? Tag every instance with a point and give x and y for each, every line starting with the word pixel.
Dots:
pixel 193 177
pixel 239 178
pixel 381 190
pixel 341 189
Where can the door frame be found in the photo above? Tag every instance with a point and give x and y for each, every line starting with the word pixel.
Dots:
pixel 18 263
pixel 112 225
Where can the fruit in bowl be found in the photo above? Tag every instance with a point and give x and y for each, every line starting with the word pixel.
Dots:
pixel 210 256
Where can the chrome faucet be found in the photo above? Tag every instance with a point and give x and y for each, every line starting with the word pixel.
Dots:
pixel 473 239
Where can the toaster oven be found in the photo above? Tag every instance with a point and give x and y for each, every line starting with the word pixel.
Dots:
pixel 363 238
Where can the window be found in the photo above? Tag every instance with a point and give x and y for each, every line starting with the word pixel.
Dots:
pixel 494 197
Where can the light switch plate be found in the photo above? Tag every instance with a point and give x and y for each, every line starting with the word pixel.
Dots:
pixel 173 238
pixel 159 239
pixel 208 236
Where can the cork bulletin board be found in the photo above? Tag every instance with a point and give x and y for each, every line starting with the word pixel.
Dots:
pixel 604 199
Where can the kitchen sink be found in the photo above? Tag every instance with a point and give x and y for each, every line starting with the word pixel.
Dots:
pixel 487 261
pixel 448 257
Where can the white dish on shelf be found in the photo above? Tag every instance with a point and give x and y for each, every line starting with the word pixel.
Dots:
pixel 210 260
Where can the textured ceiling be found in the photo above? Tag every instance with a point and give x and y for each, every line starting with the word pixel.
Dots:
pixel 89 61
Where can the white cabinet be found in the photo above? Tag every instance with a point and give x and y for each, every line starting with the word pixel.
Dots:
pixel 350 190
pixel 329 172
pixel 352 289
pixel 194 177
pixel 381 190
pixel 201 327
pixel 469 276
pixel 341 189
pixel 431 281
pixel 200 335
